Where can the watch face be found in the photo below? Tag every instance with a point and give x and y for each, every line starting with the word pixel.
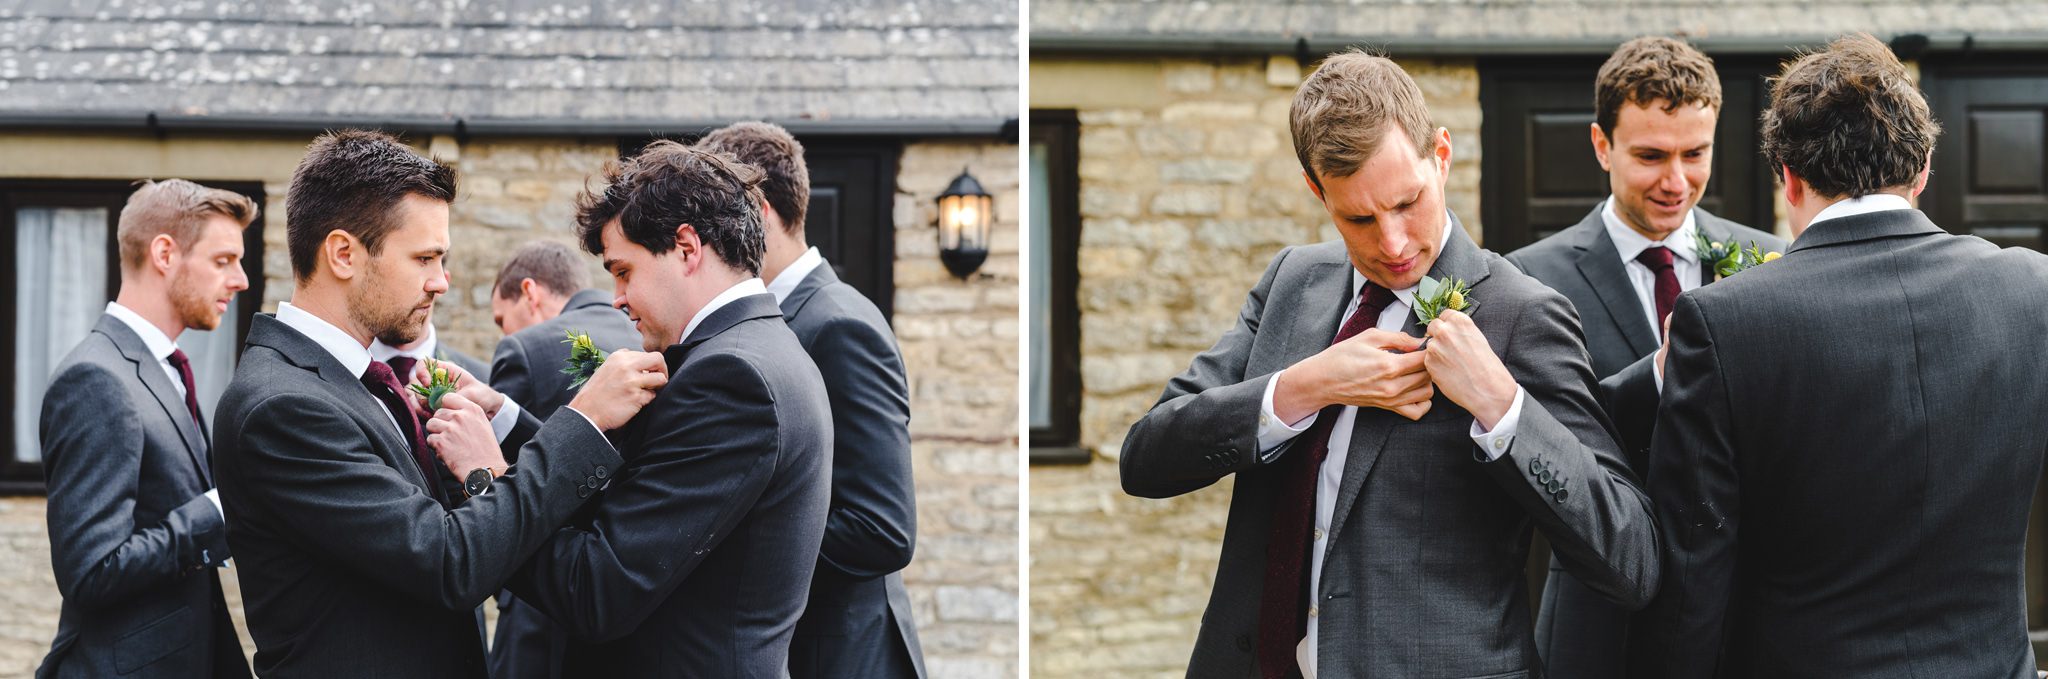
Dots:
pixel 479 480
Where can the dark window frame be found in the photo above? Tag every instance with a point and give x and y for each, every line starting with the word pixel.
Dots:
pixel 1060 443
pixel 26 478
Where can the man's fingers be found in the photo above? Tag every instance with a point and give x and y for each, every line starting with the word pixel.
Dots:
pixel 1412 411
pixel 1387 339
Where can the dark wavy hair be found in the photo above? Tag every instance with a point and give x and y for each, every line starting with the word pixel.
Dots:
pixel 1848 120
pixel 669 185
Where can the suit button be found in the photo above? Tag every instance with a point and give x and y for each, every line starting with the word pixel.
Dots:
pixel 582 491
pixel 1536 467
pixel 602 472
pixel 1555 486
pixel 1560 494
pixel 590 481
pixel 1545 477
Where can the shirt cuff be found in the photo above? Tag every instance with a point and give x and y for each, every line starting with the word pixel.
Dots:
pixel 1496 443
pixel 214 496
pixel 507 418
pixel 1272 431
pixel 1657 371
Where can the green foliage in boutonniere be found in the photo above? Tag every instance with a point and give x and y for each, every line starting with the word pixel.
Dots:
pixel 1729 258
pixel 584 358
pixel 439 384
pixel 1433 296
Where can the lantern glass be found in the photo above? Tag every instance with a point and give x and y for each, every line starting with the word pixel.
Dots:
pixel 964 222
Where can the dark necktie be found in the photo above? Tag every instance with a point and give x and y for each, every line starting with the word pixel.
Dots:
pixel 183 365
pixel 1658 258
pixel 384 385
pixel 1282 615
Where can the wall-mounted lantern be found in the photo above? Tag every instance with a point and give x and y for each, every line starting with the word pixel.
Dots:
pixel 965 212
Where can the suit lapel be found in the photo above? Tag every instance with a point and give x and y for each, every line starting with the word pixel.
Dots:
pixel 1371 427
pixel 348 390
pixel 805 289
pixel 1602 267
pixel 149 369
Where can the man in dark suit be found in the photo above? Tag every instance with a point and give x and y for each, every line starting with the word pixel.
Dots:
pixel 1655 104
pixel 1386 486
pixel 858 621
pixel 531 304
pixel 136 530
pixel 1850 435
pixel 695 559
pixel 353 561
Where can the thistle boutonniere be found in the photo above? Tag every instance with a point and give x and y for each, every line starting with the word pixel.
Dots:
pixel 1729 258
pixel 1433 296
pixel 584 358
pixel 439 384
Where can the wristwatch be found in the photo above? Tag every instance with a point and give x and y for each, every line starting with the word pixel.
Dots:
pixel 478 482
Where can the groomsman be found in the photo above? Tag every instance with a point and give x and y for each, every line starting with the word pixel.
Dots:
pixel 1386 486
pixel 402 356
pixel 1851 434
pixel 534 305
pixel 694 560
pixel 1655 104
pixel 858 621
pixel 353 561
pixel 136 529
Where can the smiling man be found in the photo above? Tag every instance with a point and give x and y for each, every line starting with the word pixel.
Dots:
pixel 1386 486
pixel 1656 101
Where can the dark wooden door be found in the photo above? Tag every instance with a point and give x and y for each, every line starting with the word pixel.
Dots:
pixel 1538 174
pixel 852 213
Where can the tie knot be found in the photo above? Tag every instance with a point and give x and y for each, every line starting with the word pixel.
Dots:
pixel 380 375
pixel 179 360
pixel 1655 257
pixel 1376 296
pixel 401 366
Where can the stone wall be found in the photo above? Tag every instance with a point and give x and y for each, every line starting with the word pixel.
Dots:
pixel 1189 186
pixel 959 339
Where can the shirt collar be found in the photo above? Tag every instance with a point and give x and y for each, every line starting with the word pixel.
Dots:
pixel 750 286
pixel 160 345
pixel 425 349
pixel 345 349
pixel 785 283
pixel 1630 244
pixel 1407 295
pixel 1875 202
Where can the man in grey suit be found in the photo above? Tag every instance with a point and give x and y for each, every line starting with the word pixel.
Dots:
pixel 1386 486
pixel 136 530
pixel 1655 102
pixel 531 304
pixel 857 623
pixel 694 559
pixel 1851 435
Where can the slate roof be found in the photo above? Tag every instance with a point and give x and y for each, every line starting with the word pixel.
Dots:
pixel 1521 25
pixel 610 63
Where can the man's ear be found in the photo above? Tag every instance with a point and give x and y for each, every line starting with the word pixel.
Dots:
pixel 162 249
pixel 527 294
pixel 343 253
pixel 1601 146
pixel 1443 153
pixel 1794 187
pixel 1920 182
pixel 689 246
pixel 1312 185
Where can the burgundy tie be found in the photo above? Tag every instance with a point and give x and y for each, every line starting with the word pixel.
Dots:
pixel 1282 615
pixel 1658 258
pixel 184 366
pixel 384 385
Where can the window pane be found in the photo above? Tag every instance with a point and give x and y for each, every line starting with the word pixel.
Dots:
pixel 1041 289
pixel 60 288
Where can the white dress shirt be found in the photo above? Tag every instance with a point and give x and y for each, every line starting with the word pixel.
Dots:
pixel 1875 202
pixel 356 358
pixel 794 275
pixel 750 286
pixel 501 423
pixel 1685 262
pixel 161 346
pixel 1273 432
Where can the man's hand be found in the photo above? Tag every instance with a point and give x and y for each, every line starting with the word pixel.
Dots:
pixel 460 435
pixel 1464 367
pixel 626 382
pixel 469 386
pixel 1363 371
pixel 1663 349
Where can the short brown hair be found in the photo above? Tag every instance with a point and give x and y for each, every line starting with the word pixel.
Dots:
pixel 1848 120
pixel 1650 69
pixel 350 181
pixel 1342 110
pixel 178 208
pixel 553 265
pixel 786 181
pixel 669 185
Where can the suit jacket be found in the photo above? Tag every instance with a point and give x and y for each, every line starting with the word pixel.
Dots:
pixel 348 564
pixel 469 364
pixel 1580 633
pixel 695 560
pixel 133 542
pixel 1423 571
pixel 527 368
pixel 1848 447
pixel 858 622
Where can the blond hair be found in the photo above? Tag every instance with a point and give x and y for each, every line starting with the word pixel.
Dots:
pixel 177 208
